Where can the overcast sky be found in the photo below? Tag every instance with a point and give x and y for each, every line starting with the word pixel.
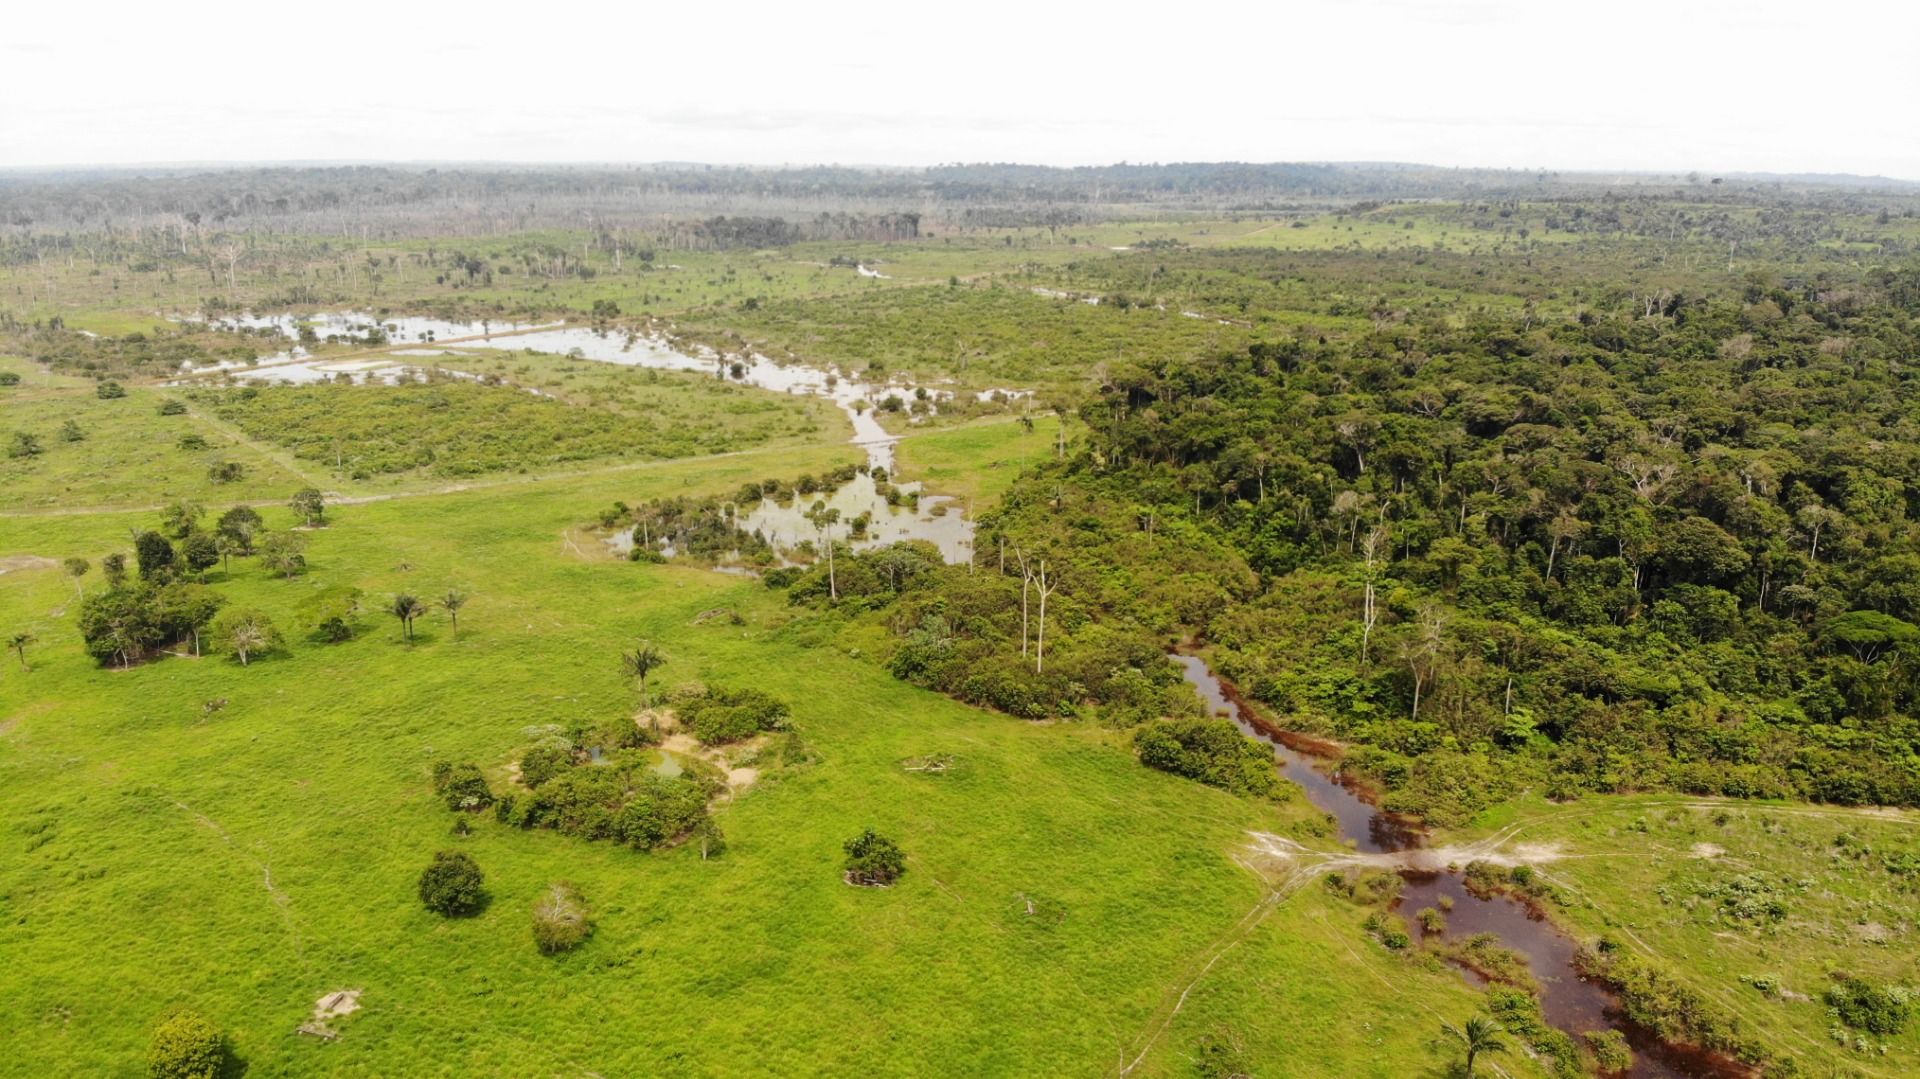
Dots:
pixel 1760 85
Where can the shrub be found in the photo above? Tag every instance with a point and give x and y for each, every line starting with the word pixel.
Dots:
pixel 452 885
pixel 719 715
pixel 173 406
pixel 874 860
pixel 544 761
pixel 561 921
pixel 1862 1005
pixel 1212 751
pixel 109 390
pixel 462 785
pixel 1610 1050
pixel 186 1046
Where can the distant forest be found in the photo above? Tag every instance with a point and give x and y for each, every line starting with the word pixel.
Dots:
pixel 474 200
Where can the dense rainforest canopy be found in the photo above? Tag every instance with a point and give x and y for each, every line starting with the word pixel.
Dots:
pixel 1627 549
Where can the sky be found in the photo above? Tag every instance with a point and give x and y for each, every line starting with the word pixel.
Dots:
pixel 1660 85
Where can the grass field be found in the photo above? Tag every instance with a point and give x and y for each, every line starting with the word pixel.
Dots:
pixel 130 453
pixel 1065 912
pixel 1695 883
pixel 270 846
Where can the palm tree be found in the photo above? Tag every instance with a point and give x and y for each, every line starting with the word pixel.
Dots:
pixel 407 608
pixel 453 601
pixel 642 661
pixel 1481 1035
pixel 824 518
pixel 19 642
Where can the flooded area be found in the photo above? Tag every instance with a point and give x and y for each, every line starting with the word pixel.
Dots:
pixel 937 519
pixel 1570 1002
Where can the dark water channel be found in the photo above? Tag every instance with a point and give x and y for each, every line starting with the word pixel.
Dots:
pixel 1570 1002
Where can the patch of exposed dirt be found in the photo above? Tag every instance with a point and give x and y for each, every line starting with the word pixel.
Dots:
pixel 742 778
pixel 335 1005
pixel 14 562
pixel 1707 850
pixel 1873 932
pixel 1270 848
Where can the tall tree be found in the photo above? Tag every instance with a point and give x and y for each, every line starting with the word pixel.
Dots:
pixel 824 517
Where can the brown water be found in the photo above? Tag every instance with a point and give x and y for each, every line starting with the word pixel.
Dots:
pixel 1570 1002
pixel 1358 820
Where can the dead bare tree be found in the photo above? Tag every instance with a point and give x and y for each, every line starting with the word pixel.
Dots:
pixel 1369 607
pixel 1046 587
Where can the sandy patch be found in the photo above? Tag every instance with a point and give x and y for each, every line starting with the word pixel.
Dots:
pixel 15 562
pixel 334 1005
pixel 1873 932
pixel 1707 850
pixel 1277 848
pixel 742 778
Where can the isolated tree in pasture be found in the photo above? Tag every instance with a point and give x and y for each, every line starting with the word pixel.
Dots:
pixel 641 661
pixel 76 568
pixel 247 633
pixel 452 885
pixel 406 608
pixel 452 602
pixel 1480 1035
pixel 310 505
pixel 19 642
pixel 561 920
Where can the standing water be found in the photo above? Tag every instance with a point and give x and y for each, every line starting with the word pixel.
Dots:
pixel 934 518
pixel 1570 1002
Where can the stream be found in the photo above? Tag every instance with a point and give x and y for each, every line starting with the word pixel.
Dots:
pixel 1570 1002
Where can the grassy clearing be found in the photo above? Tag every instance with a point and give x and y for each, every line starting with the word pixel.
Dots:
pixel 272 845
pixel 1695 882
pixel 130 454
pixel 976 462
pixel 982 336
pixel 452 428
